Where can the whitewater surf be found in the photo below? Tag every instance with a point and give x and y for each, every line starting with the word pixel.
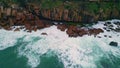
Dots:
pixel 57 50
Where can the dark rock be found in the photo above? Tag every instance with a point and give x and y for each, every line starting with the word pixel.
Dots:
pixel 99 36
pixel 82 32
pixel 108 22
pixel 111 28
pixel 117 23
pixel 62 27
pixel 47 25
pixel 117 29
pixel 27 25
pixel 73 35
pixel 44 34
pixel 0 27
pixel 105 24
pixel 35 28
pixel 29 31
pixel 110 36
pixel 22 27
pixel 40 24
pixel 108 30
pixel 17 29
pixel 95 31
pixel 104 28
pixel 72 31
pixel 5 18
pixel 113 43
pixel 111 25
pixel 105 35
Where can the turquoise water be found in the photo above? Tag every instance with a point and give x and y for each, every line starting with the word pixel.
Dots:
pixel 9 59
pixel 57 50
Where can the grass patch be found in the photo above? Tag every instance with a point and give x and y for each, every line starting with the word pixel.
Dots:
pixel 47 4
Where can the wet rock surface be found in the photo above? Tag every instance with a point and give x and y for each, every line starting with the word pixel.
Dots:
pixel 44 33
pixel 115 26
pixel 74 31
pixel 113 43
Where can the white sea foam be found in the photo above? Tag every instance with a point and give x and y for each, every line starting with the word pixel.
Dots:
pixel 80 52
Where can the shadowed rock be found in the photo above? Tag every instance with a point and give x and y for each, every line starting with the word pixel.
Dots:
pixel 113 43
pixel 44 34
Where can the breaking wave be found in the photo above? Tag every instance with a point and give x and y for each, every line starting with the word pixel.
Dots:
pixel 80 52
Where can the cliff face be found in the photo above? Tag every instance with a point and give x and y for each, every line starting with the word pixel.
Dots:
pixel 33 16
pixel 82 11
pixel 75 11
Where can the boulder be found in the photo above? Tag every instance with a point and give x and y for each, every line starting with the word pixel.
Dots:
pixel 39 24
pixel 95 31
pixel 73 28
pixel 72 31
pixel 110 36
pixel 82 32
pixel 113 43
pixel 105 35
pixel 61 27
pixel 44 34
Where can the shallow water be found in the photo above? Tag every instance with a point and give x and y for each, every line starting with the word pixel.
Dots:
pixel 57 50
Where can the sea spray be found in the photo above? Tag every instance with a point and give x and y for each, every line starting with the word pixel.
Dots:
pixel 80 52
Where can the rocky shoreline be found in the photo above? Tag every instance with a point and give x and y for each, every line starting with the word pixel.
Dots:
pixel 32 22
pixel 10 17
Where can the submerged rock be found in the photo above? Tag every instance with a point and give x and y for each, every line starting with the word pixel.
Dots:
pixel 113 43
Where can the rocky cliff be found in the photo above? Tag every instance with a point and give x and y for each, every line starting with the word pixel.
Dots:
pixel 35 16
pixel 80 11
pixel 71 11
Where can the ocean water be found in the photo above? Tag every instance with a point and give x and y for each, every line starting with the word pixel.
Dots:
pixel 57 50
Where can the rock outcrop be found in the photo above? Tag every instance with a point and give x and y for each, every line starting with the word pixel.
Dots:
pixel 74 31
pixel 44 34
pixel 75 11
pixel 113 43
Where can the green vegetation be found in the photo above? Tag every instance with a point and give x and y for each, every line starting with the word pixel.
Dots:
pixel 69 4
pixel 93 7
pixel 50 4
